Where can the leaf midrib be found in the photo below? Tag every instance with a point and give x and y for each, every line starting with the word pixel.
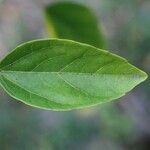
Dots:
pixel 74 73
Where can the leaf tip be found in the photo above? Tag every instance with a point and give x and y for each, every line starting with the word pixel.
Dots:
pixel 143 75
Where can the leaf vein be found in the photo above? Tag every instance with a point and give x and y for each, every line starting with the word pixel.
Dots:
pixel 30 93
pixel 23 57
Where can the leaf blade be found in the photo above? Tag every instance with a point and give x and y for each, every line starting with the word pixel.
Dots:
pixel 74 76
pixel 73 21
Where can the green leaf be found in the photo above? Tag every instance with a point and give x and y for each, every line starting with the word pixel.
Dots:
pixel 62 74
pixel 67 20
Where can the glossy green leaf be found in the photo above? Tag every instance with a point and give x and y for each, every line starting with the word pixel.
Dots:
pixel 62 74
pixel 73 21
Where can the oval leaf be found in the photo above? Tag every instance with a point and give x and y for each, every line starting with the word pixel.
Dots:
pixel 62 74
pixel 73 21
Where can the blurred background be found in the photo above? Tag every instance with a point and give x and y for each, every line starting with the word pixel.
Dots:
pixel 120 125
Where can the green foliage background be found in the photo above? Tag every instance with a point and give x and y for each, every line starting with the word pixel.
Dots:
pixel 121 125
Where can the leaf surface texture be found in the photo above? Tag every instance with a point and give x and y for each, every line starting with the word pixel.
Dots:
pixel 62 74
